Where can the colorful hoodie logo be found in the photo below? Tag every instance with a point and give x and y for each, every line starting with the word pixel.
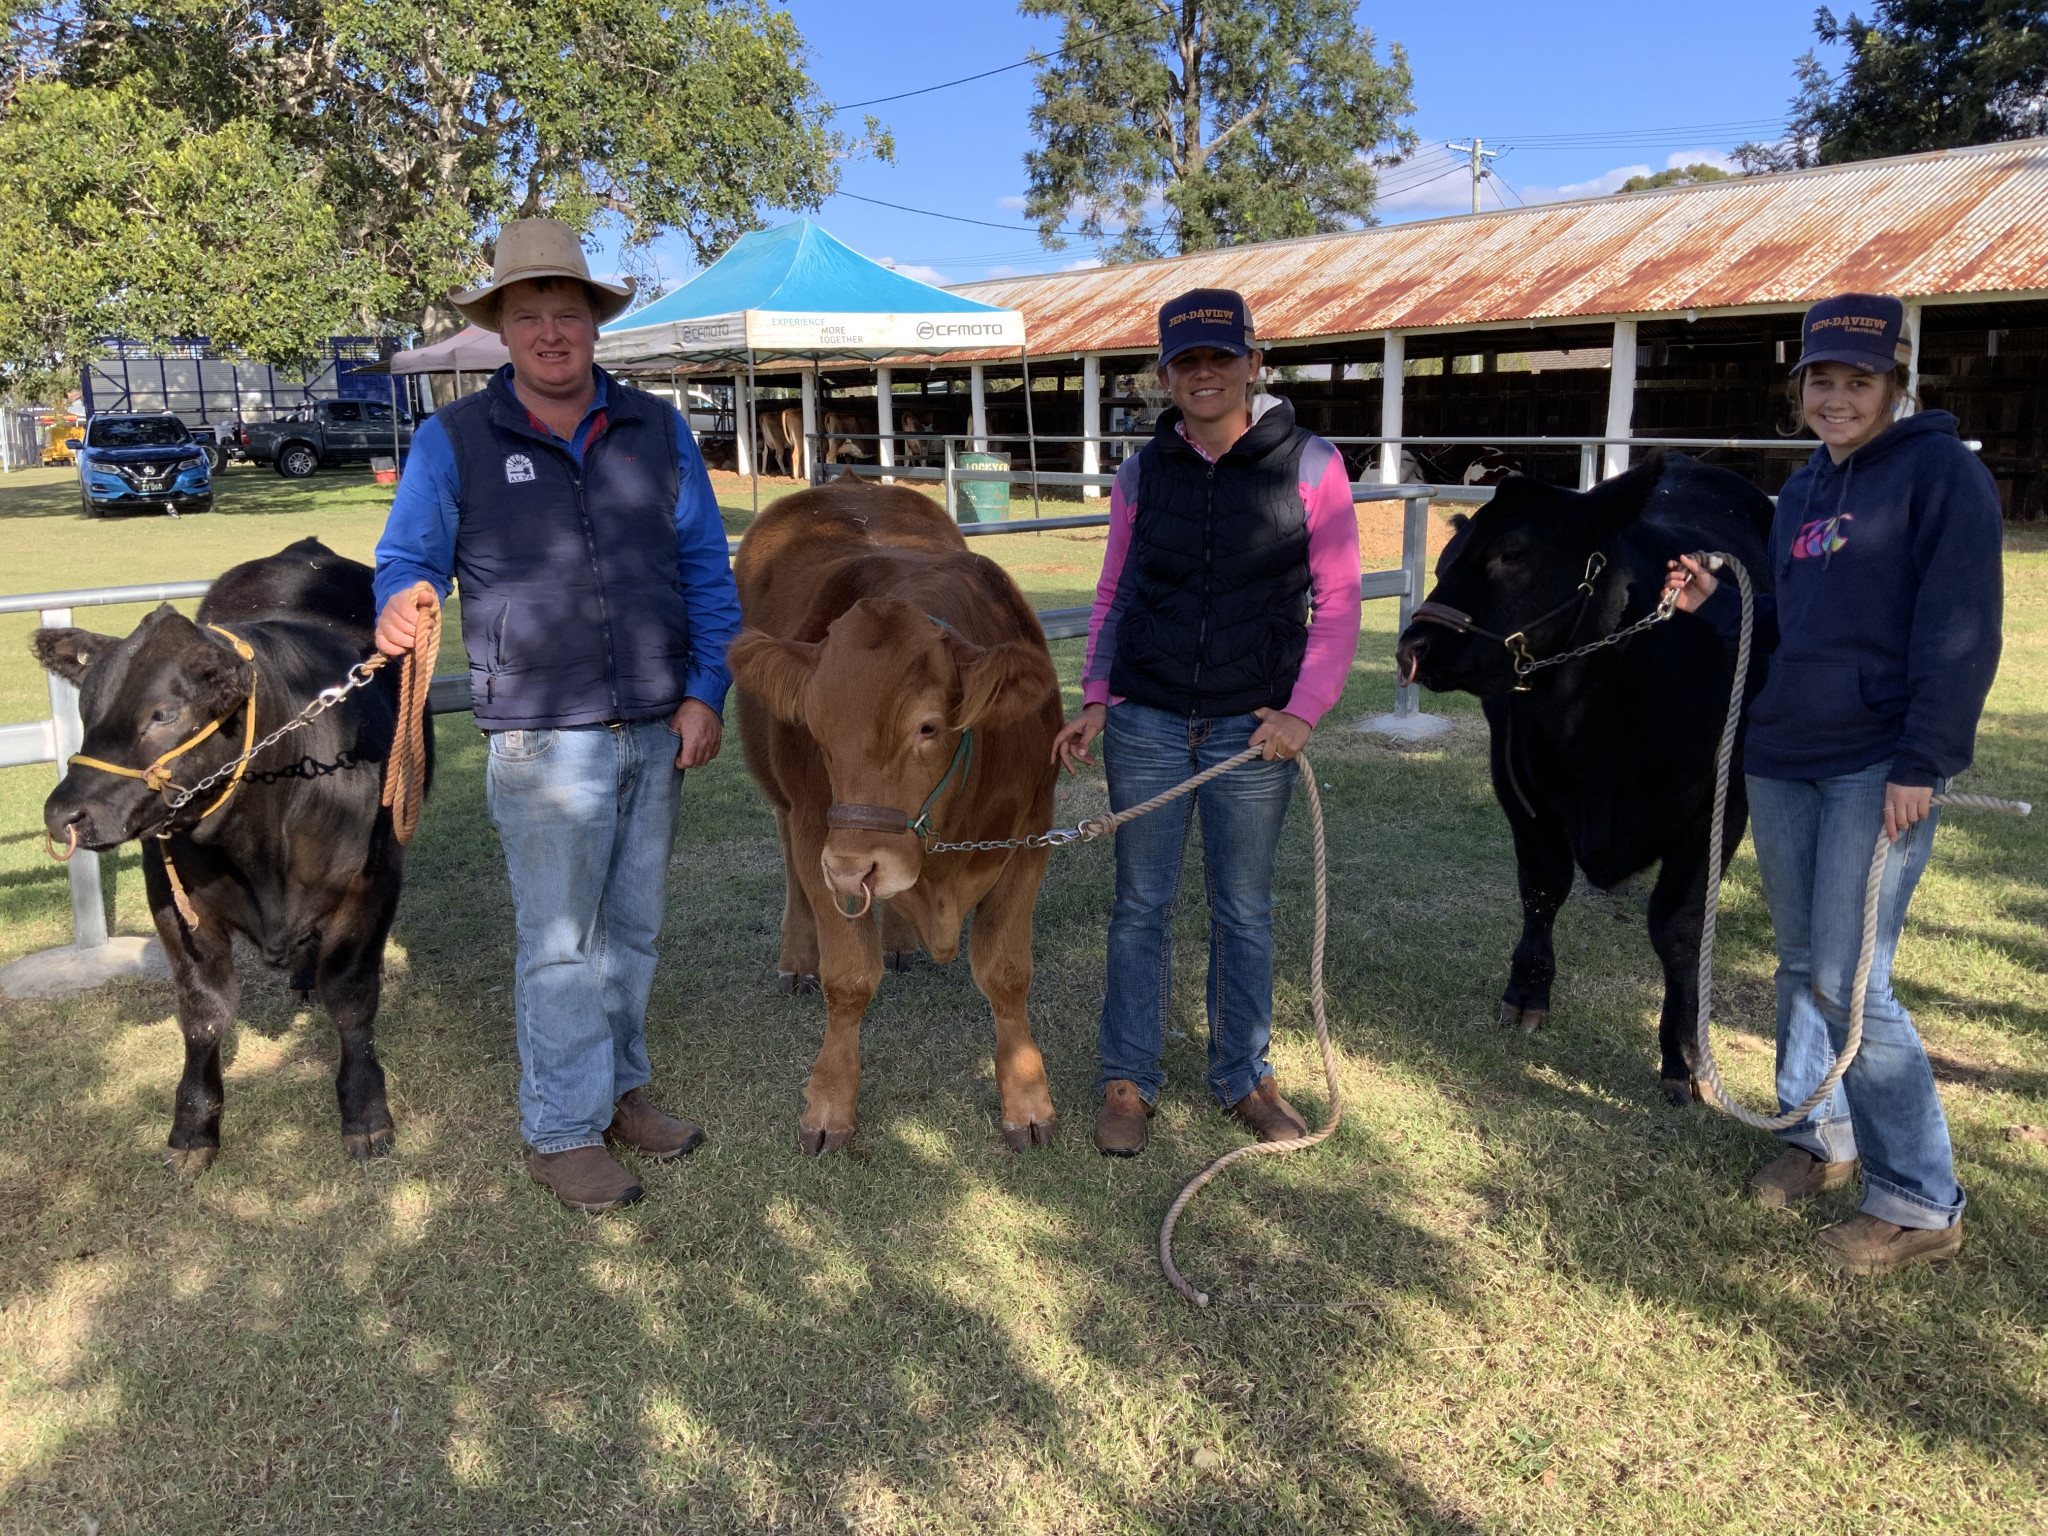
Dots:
pixel 1821 537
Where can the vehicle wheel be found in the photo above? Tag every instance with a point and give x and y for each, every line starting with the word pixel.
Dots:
pixel 295 461
pixel 86 508
pixel 215 457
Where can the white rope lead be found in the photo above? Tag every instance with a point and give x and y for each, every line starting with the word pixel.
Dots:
pixel 1873 887
pixel 1316 1009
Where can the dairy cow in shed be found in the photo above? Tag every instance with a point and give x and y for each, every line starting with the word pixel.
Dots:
pixel 894 688
pixel 299 859
pixel 1605 762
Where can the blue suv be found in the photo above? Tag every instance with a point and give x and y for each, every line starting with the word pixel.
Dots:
pixel 143 464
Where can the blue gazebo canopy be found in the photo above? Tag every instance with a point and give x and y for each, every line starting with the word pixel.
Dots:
pixel 797 290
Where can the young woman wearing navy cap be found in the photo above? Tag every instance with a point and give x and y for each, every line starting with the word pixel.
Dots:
pixel 1885 550
pixel 1226 618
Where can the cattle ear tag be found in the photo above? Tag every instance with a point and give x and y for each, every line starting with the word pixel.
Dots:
pixel 518 468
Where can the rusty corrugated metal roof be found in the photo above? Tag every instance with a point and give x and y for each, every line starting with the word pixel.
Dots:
pixel 1952 222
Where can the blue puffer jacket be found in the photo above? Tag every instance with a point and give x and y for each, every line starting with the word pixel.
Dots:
pixel 1888 604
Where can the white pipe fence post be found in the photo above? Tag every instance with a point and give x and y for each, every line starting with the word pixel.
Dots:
pixel 952 489
pixel 1589 466
pixel 1415 562
pixel 742 426
pixel 809 381
pixel 1913 361
pixel 1621 396
pixel 1091 424
pixel 977 393
pixel 885 421
pixel 1391 371
pixel 88 904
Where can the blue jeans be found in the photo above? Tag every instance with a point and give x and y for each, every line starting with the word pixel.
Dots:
pixel 586 816
pixel 1814 840
pixel 1149 750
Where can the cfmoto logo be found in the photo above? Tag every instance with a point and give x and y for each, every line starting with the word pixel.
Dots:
pixel 927 331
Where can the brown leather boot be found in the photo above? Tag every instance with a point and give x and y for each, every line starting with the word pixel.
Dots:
pixel 1864 1245
pixel 1796 1175
pixel 584 1178
pixel 1120 1122
pixel 649 1131
pixel 1268 1116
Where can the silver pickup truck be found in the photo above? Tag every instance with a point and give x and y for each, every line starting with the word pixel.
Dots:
pixel 326 433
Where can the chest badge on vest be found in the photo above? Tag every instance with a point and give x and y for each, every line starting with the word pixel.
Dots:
pixel 518 468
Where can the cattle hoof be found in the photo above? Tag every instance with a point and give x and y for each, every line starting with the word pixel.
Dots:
pixel 899 960
pixel 791 983
pixel 1533 1019
pixel 1033 1133
pixel 190 1162
pixel 815 1142
pixel 1510 1016
pixel 374 1144
pixel 1678 1091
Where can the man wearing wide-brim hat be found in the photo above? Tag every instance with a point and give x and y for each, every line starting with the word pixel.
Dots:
pixel 597 603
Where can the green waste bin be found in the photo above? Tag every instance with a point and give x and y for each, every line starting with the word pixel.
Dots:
pixel 982 501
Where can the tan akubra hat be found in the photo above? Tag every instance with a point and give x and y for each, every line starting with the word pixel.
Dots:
pixel 529 248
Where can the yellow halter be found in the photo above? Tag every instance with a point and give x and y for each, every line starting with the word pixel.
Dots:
pixel 158 776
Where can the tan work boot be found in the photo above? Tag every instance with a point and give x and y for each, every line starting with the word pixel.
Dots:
pixel 1864 1245
pixel 1796 1175
pixel 584 1178
pixel 1120 1122
pixel 1268 1116
pixel 649 1131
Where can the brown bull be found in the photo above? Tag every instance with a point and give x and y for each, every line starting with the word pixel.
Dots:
pixel 886 675
pixel 782 438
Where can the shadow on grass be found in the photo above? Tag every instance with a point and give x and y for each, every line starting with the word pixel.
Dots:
pixel 933 1332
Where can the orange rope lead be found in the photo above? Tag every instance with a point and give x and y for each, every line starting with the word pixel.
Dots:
pixel 405 771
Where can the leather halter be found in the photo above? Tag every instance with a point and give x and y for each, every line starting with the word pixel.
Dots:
pixel 886 818
pixel 1517 644
pixel 158 774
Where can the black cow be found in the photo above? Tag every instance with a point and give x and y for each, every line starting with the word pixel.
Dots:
pixel 1608 760
pixel 300 860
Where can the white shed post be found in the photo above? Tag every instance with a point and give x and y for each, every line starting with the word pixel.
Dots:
pixel 809 379
pixel 977 397
pixel 1912 362
pixel 742 426
pixel 1091 423
pixel 1621 397
pixel 885 421
pixel 1391 371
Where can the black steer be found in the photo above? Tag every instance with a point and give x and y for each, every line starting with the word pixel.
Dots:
pixel 300 859
pixel 1607 760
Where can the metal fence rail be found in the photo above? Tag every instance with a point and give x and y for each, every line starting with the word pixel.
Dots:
pixel 55 739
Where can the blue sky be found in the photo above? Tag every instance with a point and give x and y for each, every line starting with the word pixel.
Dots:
pixel 1586 94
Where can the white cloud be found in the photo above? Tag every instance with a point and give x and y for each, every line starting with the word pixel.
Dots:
pixel 1083 264
pixel 995 274
pixel 1012 204
pixel 922 274
pixel 1720 159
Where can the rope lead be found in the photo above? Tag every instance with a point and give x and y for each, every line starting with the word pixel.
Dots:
pixel 1705 1069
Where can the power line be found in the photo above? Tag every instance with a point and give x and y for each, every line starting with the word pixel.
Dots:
pixel 1002 69
pixel 956 218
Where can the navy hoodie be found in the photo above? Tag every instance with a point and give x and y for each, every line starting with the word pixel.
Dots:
pixel 1888 600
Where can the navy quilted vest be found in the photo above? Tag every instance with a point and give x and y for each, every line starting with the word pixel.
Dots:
pixel 1216 619
pixel 572 608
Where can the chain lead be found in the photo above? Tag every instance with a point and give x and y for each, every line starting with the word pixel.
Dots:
pixel 359 676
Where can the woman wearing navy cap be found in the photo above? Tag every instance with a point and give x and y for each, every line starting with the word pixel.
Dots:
pixel 1226 617
pixel 1885 550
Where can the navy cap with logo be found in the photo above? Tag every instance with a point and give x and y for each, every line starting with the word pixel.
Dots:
pixel 1206 317
pixel 1864 330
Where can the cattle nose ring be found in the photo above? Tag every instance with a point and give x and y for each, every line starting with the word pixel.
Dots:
pixel 70 845
pixel 867 899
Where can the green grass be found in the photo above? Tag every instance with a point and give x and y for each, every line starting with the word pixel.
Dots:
pixel 1513 1293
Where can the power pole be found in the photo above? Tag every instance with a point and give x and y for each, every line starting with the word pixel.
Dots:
pixel 1480 155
